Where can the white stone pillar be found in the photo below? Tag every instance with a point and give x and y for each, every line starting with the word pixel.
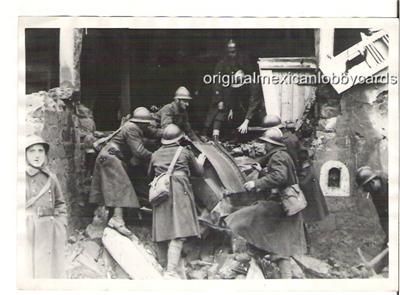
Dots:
pixel 324 42
pixel 70 49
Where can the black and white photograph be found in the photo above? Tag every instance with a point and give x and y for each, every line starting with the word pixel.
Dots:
pixel 192 149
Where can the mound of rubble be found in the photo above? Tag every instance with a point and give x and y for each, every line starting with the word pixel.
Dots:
pixel 217 255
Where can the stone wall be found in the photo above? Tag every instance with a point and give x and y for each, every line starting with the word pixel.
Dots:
pixel 68 127
pixel 351 130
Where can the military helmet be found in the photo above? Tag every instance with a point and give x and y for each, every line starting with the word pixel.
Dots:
pixel 231 44
pixel 31 140
pixel 274 136
pixel 141 115
pixel 182 93
pixel 238 79
pixel 271 121
pixel 364 175
pixel 171 134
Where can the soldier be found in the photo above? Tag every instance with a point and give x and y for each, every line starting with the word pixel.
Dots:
pixel 46 214
pixel 376 184
pixel 111 185
pixel 265 224
pixel 290 139
pixel 175 219
pixel 236 103
pixel 176 113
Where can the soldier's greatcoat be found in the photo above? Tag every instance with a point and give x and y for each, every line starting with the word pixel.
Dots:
pixel 265 224
pixel 46 225
pixel 111 185
pixel 176 217
pixel 172 114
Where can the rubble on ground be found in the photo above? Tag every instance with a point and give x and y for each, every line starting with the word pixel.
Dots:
pixel 206 259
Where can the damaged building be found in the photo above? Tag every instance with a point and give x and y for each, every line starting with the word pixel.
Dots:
pixel 81 82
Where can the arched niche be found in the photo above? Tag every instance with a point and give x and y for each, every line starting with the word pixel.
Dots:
pixel 335 179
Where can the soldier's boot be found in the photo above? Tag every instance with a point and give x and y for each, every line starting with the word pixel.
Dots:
pixel 174 254
pixel 285 268
pixel 215 135
pixel 117 222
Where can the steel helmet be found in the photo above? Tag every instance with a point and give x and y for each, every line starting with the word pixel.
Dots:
pixel 238 79
pixel 274 136
pixel 141 115
pixel 231 44
pixel 171 134
pixel 271 121
pixel 31 140
pixel 364 175
pixel 182 93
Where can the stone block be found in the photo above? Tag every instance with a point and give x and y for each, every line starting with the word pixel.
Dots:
pixel 92 249
pixel 239 245
pixel 200 274
pixel 297 272
pixel 312 265
pixel 255 272
pixel 329 111
pixel 226 271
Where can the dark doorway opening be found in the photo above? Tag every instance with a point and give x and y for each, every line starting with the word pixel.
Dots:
pixel 41 59
pixel 125 68
pixel 346 38
pixel 334 177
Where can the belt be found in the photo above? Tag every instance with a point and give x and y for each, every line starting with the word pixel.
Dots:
pixel 180 173
pixel 41 211
pixel 113 149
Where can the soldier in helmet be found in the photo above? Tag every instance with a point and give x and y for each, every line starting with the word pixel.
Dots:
pixel 265 224
pixel 46 214
pixel 175 219
pixel 376 184
pixel 290 139
pixel 111 185
pixel 176 113
pixel 234 105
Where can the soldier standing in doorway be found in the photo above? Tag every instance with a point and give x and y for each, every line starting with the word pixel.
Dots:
pixel 235 103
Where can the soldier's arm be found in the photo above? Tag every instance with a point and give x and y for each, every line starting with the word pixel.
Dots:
pixel 276 177
pixel 254 102
pixel 154 132
pixel 166 118
pixel 188 129
pixel 60 208
pixel 150 170
pixel 217 87
pixel 194 166
pixel 136 146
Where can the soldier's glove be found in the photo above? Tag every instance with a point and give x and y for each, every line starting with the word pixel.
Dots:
pixel 250 186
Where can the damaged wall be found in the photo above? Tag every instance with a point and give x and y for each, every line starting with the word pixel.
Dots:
pixel 352 130
pixel 68 128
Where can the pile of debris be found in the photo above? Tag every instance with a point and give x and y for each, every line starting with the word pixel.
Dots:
pixel 101 252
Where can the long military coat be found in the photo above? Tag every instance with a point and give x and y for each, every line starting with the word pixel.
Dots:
pixel 111 184
pixel 171 114
pixel 46 225
pixel 176 217
pixel 316 209
pixel 265 224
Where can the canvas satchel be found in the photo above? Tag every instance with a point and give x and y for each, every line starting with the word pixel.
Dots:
pixel 293 200
pixel 160 186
